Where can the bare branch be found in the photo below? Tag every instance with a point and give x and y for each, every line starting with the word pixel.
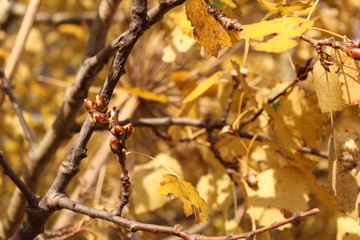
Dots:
pixel 133 226
pixel 23 187
pixel 8 90
pixel 70 166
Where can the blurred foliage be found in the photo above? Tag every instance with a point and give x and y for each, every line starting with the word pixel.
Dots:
pixel 169 74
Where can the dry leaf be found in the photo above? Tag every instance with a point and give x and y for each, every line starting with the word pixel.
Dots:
pixel 187 193
pixel 208 32
pixel 338 88
pixel 345 172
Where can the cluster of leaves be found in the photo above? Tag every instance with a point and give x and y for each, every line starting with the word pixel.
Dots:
pixel 246 175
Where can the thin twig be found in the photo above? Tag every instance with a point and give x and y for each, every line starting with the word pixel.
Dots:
pixel 64 202
pixel 72 233
pixel 228 23
pixel 301 75
pixel 18 48
pixel 207 124
pixel 30 197
pixel 8 90
pixel 230 99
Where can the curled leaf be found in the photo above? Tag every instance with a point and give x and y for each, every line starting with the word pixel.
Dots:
pixel 187 193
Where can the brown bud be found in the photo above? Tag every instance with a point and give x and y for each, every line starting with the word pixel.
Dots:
pixel 100 118
pixel 100 103
pixel 129 129
pixel 118 132
pixel 89 105
pixel 354 53
pixel 115 145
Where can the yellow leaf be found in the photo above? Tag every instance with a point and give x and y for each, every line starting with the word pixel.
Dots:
pixel 203 87
pixel 284 9
pixel 146 178
pixel 207 31
pixel 72 29
pixel 187 193
pixel 276 44
pixel 270 6
pixel 284 29
pixel 347 229
pixel 141 93
pixel 346 180
pixel 338 88
pixel 276 193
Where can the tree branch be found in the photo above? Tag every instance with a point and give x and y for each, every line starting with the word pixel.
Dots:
pixel 30 197
pixel 133 226
pixel 65 118
pixel 8 90
pixel 70 166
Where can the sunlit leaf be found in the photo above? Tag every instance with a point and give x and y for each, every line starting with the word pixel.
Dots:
pixel 290 7
pixel 280 31
pixel 276 193
pixel 141 93
pixel 147 177
pixel 207 31
pixel 203 87
pixel 187 193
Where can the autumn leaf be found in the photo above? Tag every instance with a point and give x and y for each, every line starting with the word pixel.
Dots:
pixel 340 87
pixel 203 87
pixel 285 29
pixel 141 93
pixel 208 32
pixel 345 177
pixel 187 193
pixel 283 9
pixel 279 190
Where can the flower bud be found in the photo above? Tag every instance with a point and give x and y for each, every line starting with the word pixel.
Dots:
pixel 129 129
pixel 354 53
pixel 89 105
pixel 115 145
pixel 118 132
pixel 100 103
pixel 100 118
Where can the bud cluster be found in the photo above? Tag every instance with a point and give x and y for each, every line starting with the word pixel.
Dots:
pixel 97 110
pixel 121 134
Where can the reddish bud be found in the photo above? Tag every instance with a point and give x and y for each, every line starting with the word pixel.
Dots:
pixel 100 103
pixel 354 53
pixel 118 132
pixel 129 129
pixel 89 105
pixel 100 118
pixel 115 145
